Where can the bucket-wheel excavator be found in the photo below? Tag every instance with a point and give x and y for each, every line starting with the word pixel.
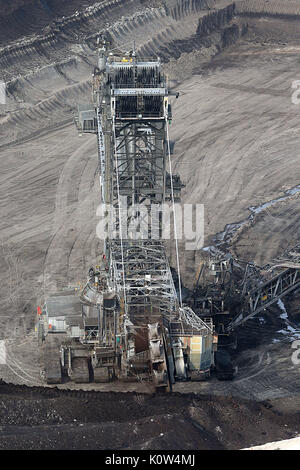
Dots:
pixel 128 322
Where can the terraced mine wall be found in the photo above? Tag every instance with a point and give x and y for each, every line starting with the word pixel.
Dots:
pixel 272 8
pixel 221 20
pixel 215 20
pixel 217 29
pixel 175 34
pixel 68 21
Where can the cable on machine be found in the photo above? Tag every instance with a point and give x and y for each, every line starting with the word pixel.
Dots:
pixel 174 213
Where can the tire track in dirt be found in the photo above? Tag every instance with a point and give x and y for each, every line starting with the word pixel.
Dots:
pixel 56 260
pixel 88 198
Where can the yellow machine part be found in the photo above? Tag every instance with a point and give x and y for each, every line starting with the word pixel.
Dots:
pixel 196 347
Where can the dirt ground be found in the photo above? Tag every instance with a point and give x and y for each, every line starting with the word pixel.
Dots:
pixel 51 419
pixel 235 135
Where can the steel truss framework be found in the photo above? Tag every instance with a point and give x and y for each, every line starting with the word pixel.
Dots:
pixel 150 291
pixel 134 110
pixel 268 293
pixel 140 162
